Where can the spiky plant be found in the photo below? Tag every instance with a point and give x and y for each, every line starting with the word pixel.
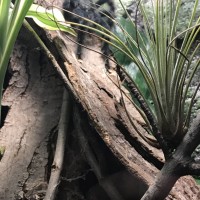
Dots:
pixel 165 67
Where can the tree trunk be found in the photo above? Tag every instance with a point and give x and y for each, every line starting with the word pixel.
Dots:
pixel 164 182
pixel 115 160
pixel 33 98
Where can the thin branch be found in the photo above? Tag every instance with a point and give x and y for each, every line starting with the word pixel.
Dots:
pixel 150 140
pixel 56 167
pixel 84 144
pixel 107 186
pixel 50 56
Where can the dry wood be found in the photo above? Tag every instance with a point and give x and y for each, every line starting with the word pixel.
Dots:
pixel 100 98
pixel 57 165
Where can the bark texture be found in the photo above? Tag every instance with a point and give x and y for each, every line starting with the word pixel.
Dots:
pixel 33 97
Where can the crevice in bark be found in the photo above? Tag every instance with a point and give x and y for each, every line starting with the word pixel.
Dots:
pixel 140 149
pixel 4 108
pixel 95 161
pixel 109 162
pixel 76 174
pixel 104 89
pixel 4 112
pixel 24 189
pixel 51 149
pixel 7 78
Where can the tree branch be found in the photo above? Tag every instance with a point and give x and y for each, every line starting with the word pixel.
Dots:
pixel 51 56
pixel 145 108
pixel 191 139
pixel 106 185
pixel 60 147
pixel 194 168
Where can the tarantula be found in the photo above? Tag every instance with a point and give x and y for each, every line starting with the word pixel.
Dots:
pixel 90 10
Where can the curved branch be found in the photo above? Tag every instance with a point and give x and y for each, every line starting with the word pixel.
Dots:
pixel 107 186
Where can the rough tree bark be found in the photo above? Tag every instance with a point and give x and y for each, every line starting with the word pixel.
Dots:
pixel 33 96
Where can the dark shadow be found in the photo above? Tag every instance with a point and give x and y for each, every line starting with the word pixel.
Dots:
pixel 4 112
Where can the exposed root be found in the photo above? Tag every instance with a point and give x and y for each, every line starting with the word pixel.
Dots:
pixel 60 147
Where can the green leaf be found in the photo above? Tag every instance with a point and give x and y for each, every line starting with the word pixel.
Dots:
pixel 50 19
pixel 4 10
pixel 11 25
pixel 197 179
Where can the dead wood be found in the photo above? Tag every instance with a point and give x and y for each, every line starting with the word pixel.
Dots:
pixel 56 167
pixel 97 92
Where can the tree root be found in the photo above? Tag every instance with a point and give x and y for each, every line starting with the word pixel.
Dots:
pixel 56 167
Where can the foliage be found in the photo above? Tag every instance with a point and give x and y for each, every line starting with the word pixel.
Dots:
pixel 197 181
pixel 185 10
pixel 126 62
pixel 50 19
pixel 165 67
pixel 119 9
